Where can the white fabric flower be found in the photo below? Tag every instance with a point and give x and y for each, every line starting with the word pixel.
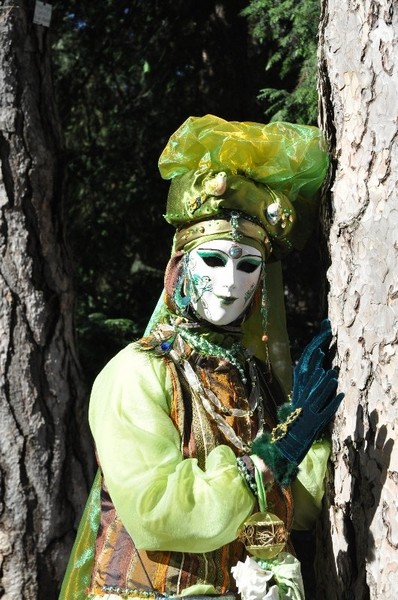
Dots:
pixel 253 581
pixel 253 578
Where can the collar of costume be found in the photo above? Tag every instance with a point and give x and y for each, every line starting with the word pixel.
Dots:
pixel 183 335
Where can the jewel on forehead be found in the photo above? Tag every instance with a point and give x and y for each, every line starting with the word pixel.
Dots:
pixel 235 251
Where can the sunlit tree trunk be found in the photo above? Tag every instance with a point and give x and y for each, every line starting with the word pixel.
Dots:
pixel 359 89
pixel 43 480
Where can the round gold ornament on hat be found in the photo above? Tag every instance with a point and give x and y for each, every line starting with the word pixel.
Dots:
pixel 264 535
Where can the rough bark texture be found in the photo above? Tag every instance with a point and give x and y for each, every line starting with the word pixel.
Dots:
pixel 42 481
pixel 359 88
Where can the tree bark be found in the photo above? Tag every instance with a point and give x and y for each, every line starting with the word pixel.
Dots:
pixel 359 89
pixel 44 467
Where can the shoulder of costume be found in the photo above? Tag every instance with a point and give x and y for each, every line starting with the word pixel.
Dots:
pixel 130 362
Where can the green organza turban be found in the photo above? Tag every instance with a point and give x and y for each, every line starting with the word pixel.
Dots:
pixel 271 173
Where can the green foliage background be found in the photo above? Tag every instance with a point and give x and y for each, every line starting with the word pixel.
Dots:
pixel 127 74
pixel 290 28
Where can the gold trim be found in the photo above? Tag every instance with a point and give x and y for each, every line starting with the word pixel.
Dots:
pixel 281 429
pixel 245 228
pixel 264 535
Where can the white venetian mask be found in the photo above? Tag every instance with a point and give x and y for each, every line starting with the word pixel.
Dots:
pixel 223 276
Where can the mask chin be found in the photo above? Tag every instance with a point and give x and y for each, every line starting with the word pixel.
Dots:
pixel 226 322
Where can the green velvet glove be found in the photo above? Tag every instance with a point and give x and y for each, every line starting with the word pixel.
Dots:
pixel 302 421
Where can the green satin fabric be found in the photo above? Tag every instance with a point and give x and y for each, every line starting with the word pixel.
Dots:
pixel 78 573
pixel 278 347
pixel 309 487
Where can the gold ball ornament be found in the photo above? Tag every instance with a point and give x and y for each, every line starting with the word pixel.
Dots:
pixel 264 535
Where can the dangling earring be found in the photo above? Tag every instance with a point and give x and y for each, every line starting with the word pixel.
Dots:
pixel 264 314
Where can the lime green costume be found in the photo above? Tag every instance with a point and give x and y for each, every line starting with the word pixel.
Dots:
pixel 169 499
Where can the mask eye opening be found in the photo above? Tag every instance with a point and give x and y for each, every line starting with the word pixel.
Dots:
pixel 248 266
pixel 213 259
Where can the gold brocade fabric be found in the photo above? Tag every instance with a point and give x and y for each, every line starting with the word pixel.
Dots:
pixel 225 383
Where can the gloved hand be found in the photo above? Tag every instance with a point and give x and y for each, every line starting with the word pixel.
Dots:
pixel 312 406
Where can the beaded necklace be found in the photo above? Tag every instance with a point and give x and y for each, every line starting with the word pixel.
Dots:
pixel 206 348
pixel 208 399
pixel 202 393
pixel 171 339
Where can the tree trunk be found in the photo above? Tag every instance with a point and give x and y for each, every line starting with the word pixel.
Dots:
pixel 359 89
pixel 43 480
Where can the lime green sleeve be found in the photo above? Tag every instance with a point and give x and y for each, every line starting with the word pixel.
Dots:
pixel 165 502
pixel 309 487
